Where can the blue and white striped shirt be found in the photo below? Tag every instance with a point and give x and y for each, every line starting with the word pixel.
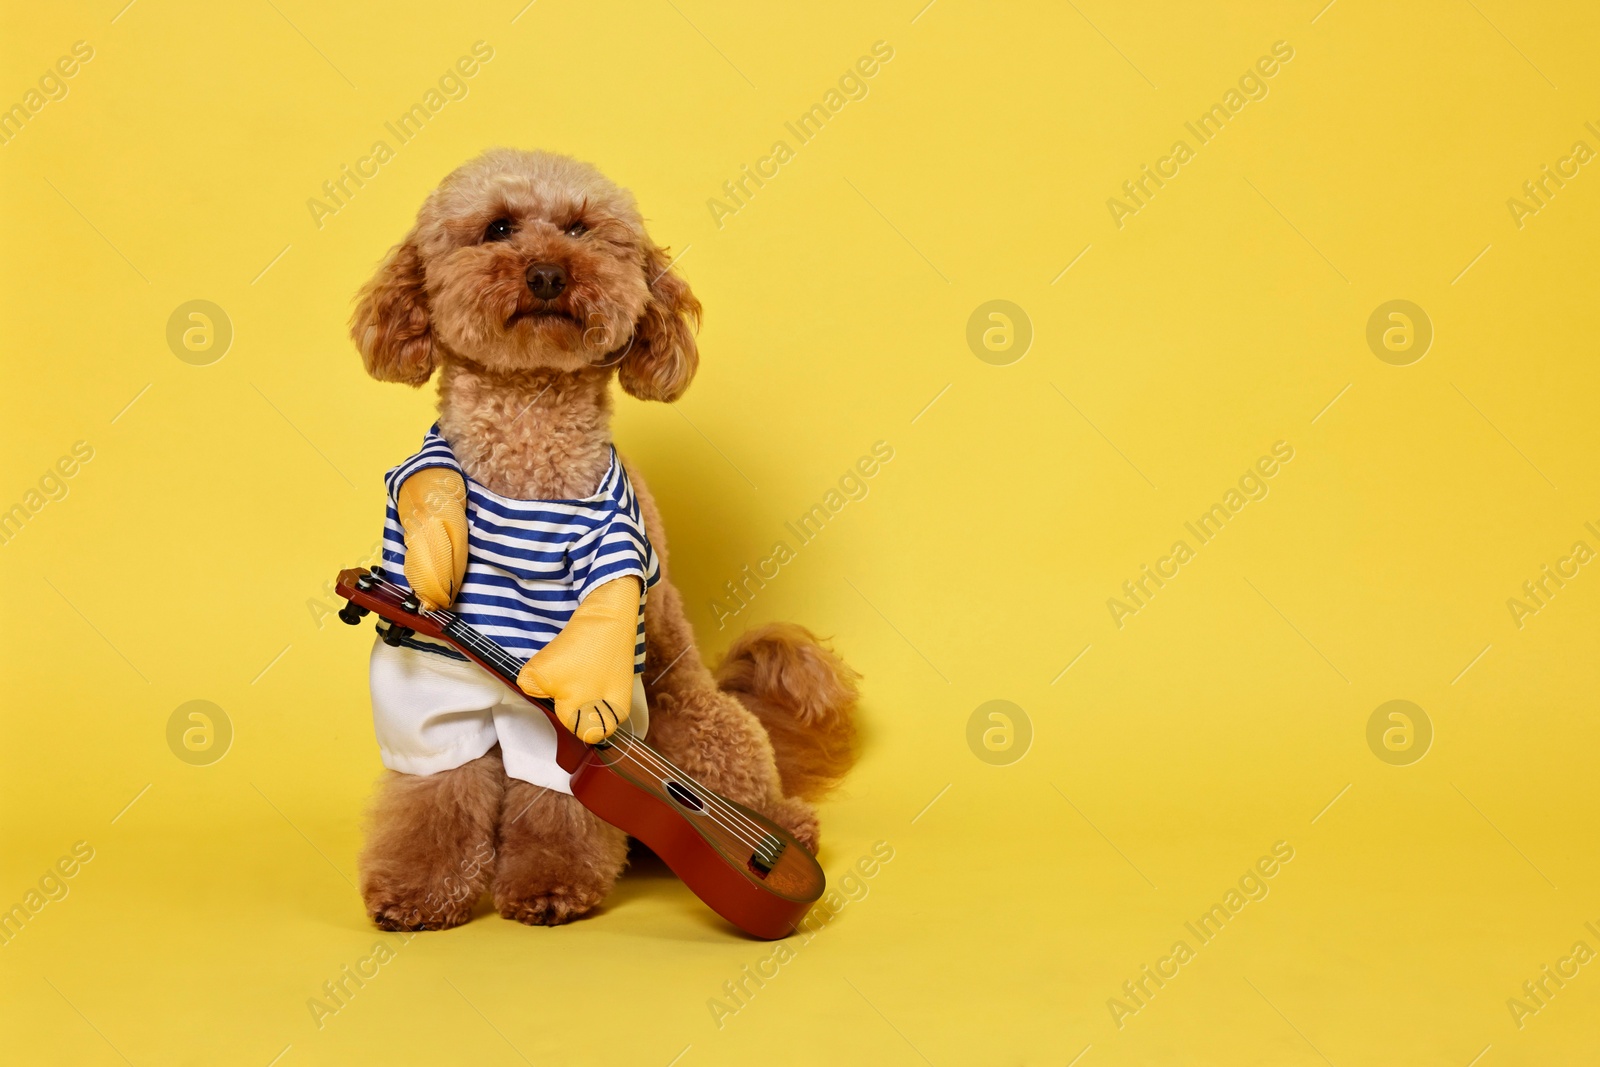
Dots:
pixel 530 563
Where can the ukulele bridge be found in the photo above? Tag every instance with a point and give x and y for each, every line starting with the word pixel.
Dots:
pixel 766 854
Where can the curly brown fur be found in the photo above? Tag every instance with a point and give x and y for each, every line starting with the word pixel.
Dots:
pixel 430 845
pixel 525 405
pixel 557 860
pixel 804 695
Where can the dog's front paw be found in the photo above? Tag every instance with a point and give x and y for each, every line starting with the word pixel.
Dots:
pixel 551 908
pixel 557 859
pixel 400 907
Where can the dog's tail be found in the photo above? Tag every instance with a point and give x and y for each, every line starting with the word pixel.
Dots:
pixel 804 695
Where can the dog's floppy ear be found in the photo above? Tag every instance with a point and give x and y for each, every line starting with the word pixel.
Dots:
pixel 391 326
pixel 663 358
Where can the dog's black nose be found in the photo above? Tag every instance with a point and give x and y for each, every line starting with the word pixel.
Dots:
pixel 546 280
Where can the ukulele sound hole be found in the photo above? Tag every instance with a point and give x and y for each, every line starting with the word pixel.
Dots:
pixel 684 797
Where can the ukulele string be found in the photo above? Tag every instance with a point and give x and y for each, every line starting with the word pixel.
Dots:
pixel 627 745
pixel 713 802
pixel 677 774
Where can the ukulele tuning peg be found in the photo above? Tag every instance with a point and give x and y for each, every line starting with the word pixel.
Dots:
pixel 411 604
pixel 393 635
pixel 366 581
pixel 352 613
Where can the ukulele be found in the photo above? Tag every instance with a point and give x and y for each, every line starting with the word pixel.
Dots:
pixel 744 866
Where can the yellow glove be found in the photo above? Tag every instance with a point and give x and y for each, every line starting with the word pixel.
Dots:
pixel 433 512
pixel 588 668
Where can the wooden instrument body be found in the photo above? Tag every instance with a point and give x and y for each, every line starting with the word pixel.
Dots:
pixel 744 866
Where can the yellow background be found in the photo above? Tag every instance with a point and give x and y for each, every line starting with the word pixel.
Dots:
pixel 1228 314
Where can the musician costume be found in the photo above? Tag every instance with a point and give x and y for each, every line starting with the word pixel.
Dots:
pixel 533 569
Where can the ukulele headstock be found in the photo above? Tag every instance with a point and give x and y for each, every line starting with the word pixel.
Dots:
pixel 368 592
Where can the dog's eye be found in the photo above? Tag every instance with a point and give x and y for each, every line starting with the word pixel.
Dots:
pixel 498 230
pixel 576 228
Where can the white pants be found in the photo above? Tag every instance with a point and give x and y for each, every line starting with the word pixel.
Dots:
pixel 433 713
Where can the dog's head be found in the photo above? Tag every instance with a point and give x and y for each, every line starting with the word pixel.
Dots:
pixel 527 260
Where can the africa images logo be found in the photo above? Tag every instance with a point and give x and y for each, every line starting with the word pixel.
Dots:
pixel 1252 85
pixel 1252 485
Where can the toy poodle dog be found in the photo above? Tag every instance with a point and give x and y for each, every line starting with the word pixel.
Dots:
pixel 526 284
